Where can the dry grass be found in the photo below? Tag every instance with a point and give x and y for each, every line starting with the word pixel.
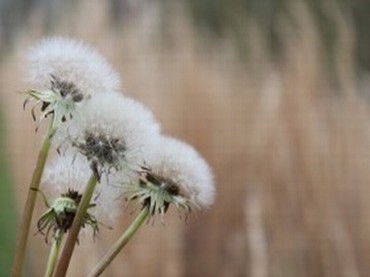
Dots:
pixel 290 153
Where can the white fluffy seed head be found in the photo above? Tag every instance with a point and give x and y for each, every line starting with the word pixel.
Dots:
pixel 70 61
pixel 72 172
pixel 181 163
pixel 129 127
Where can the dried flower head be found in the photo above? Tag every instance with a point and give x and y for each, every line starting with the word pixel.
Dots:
pixel 64 182
pixel 64 73
pixel 176 175
pixel 114 133
pixel 60 215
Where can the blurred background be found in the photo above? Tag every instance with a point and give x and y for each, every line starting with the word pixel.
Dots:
pixel 273 93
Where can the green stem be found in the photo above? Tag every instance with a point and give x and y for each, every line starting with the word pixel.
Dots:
pixel 29 207
pixel 120 243
pixel 69 246
pixel 54 251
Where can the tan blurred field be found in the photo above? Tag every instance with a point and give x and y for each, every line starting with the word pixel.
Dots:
pixel 290 150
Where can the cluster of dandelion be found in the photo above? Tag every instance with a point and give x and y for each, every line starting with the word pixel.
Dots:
pixel 108 149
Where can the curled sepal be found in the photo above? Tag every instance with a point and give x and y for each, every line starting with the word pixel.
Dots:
pixel 157 193
pixel 60 215
pixel 59 100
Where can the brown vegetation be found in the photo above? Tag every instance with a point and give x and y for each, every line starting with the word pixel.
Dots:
pixel 290 151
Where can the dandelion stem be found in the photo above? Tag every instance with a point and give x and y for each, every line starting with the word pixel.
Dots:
pixel 54 251
pixel 66 255
pixel 29 207
pixel 120 243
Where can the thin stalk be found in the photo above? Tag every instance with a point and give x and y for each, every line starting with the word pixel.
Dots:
pixel 21 244
pixel 120 243
pixel 69 246
pixel 54 251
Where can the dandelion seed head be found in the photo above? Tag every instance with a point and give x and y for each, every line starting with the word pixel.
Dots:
pixel 65 73
pixel 73 62
pixel 186 169
pixel 69 174
pixel 174 174
pixel 115 132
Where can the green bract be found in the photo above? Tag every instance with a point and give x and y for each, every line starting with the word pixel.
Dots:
pixel 60 100
pixel 61 213
pixel 157 193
